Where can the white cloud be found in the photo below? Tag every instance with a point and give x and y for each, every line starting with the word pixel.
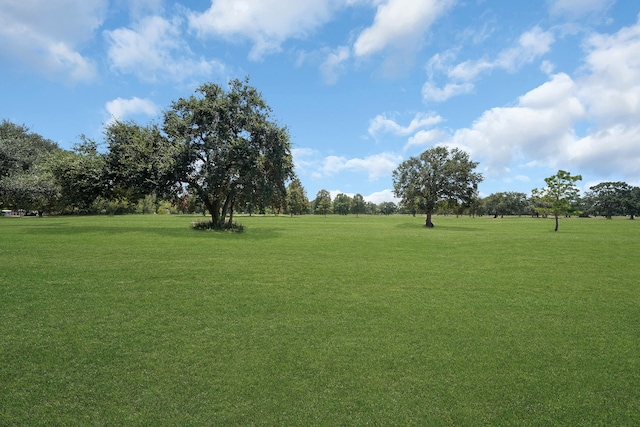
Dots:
pixel 375 166
pixel 266 23
pixel 45 36
pixel 612 85
pixel 382 124
pixel 425 138
pixel 305 160
pixel 539 127
pixel 120 108
pixel 531 45
pixel 432 93
pixel 154 50
pixel 334 64
pixel 611 151
pixel 397 22
pixel 382 196
pixel 577 8
pixel 611 90
pixel 334 193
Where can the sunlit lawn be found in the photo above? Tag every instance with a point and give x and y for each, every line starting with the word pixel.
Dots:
pixel 139 320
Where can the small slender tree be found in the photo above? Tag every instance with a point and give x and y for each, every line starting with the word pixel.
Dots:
pixel 358 205
pixel 557 196
pixel 297 202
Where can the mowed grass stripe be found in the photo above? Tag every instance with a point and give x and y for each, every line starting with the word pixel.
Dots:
pixel 319 321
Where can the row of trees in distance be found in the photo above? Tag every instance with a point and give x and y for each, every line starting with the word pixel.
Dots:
pixel 219 151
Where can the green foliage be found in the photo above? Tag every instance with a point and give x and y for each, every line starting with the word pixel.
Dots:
pixel 506 203
pixel 609 199
pixel 216 226
pixel 437 175
pixel 322 204
pixel 559 196
pixel 21 149
pixel 139 320
pixel 230 151
pixel 165 207
pixel 342 204
pixel 297 201
pixel 358 204
pixel 112 206
pixel 25 181
pixel 370 208
pixel 140 161
pixel 147 205
pixel 80 174
pixel 387 208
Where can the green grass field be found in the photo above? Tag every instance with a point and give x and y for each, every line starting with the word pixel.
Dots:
pixel 139 320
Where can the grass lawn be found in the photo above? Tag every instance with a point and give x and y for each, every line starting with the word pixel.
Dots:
pixel 139 320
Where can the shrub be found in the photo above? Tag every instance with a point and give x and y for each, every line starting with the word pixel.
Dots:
pixel 210 225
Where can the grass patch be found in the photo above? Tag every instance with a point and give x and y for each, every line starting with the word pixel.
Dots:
pixel 137 320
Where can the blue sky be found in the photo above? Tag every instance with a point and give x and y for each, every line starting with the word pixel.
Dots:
pixel 526 87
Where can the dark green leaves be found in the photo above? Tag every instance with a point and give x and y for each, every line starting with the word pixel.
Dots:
pixel 437 175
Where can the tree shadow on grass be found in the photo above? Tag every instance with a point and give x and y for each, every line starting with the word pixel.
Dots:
pixel 447 227
pixel 70 229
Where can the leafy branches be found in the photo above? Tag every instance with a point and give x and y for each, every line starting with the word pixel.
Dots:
pixel 437 175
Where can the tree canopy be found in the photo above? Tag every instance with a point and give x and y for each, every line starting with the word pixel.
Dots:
pixel 297 201
pixel 230 151
pixel 322 203
pixel 559 195
pixel 25 181
pixel 437 175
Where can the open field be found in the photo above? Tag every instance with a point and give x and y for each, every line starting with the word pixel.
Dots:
pixel 139 320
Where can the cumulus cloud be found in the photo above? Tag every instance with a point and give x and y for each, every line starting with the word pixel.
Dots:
pixel 612 83
pixel 608 152
pixel 610 87
pixel 539 127
pixel 374 166
pixel 154 50
pixel 121 108
pixel 425 138
pixel 266 23
pixel 382 196
pixel 43 35
pixel 383 124
pixel 398 21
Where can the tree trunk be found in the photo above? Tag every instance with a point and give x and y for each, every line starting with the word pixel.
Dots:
pixel 556 223
pixel 428 223
pixel 231 214
pixel 214 210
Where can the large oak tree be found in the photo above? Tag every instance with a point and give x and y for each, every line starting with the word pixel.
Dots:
pixel 230 150
pixel 437 175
